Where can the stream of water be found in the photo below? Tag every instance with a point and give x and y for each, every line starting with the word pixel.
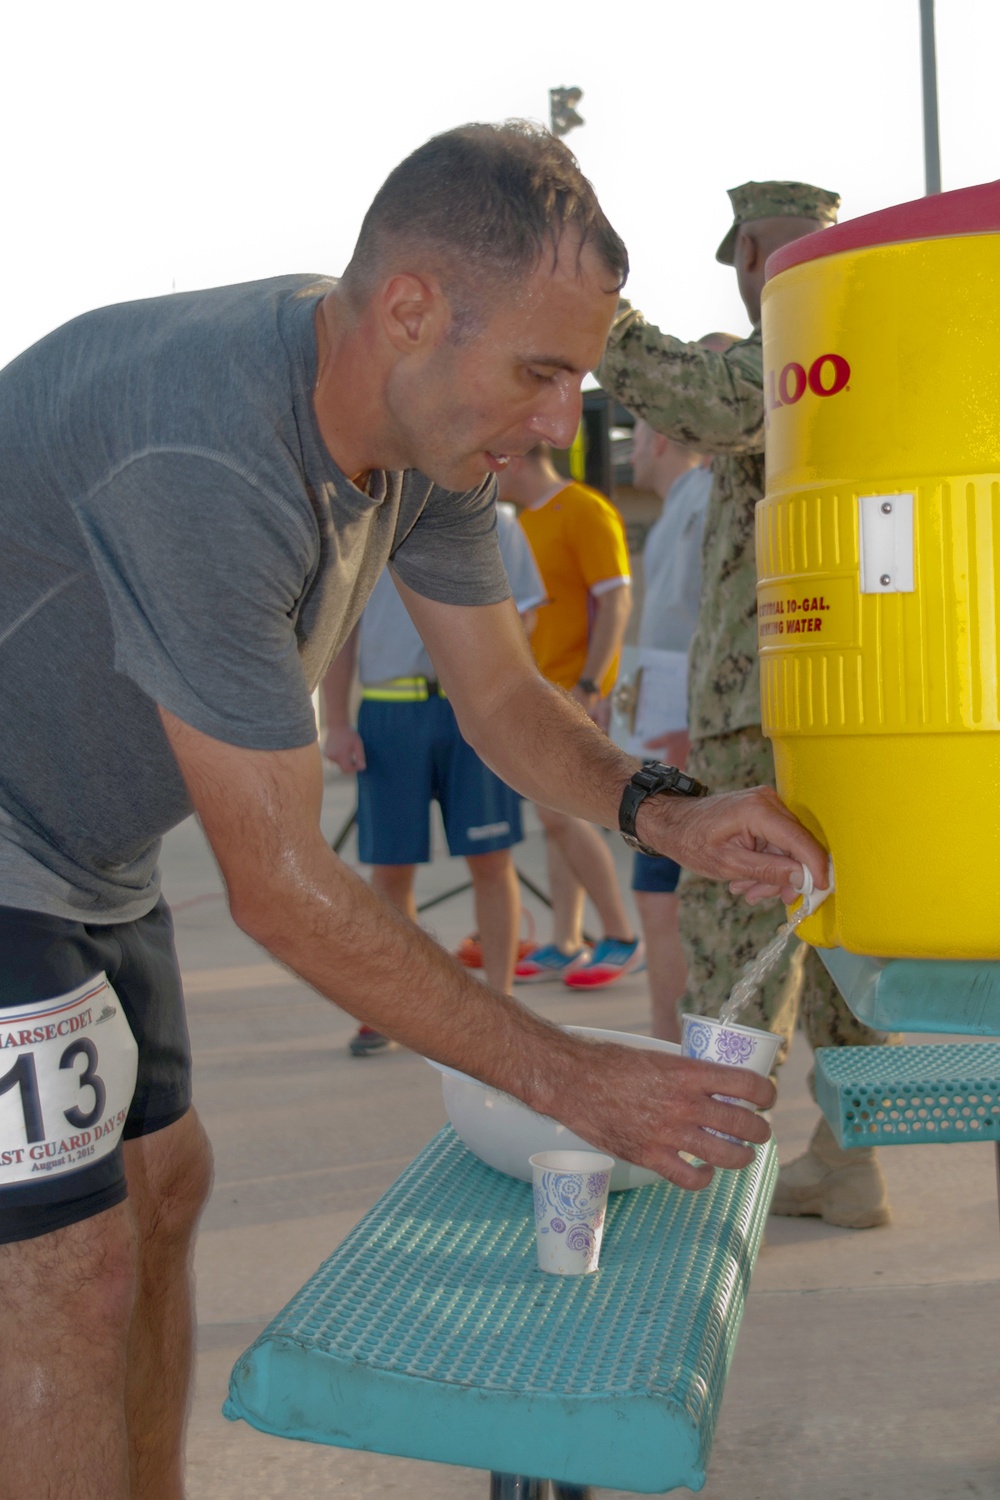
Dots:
pixel 761 968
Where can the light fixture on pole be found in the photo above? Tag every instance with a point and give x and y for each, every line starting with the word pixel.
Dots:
pixel 562 110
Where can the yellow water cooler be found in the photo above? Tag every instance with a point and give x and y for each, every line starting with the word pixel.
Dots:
pixel 878 555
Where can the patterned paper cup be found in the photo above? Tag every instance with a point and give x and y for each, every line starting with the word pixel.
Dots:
pixel 737 1046
pixel 571 1199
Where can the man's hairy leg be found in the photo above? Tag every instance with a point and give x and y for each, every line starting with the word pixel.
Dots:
pixel 498 914
pixel 394 884
pixel 592 863
pixel 666 970
pixel 567 895
pixel 65 1304
pixel 169 1177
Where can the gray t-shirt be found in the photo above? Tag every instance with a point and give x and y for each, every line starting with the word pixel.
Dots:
pixel 389 643
pixel 174 531
pixel 671 565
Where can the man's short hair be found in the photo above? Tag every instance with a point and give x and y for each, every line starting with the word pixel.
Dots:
pixel 485 201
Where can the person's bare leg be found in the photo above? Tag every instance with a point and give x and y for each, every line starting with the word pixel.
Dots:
pixel 394 884
pixel 566 894
pixel 665 965
pixel 593 865
pixel 169 1176
pixel 498 914
pixel 65 1304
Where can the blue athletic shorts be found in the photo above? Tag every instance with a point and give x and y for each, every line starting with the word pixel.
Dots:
pixel 45 957
pixel 414 754
pixel 649 874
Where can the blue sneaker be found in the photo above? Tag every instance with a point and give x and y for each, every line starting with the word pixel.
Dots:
pixel 549 962
pixel 612 960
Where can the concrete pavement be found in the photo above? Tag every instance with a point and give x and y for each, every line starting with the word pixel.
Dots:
pixel 866 1365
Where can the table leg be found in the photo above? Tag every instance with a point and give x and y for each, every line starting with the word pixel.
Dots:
pixel 571 1491
pixel 517 1487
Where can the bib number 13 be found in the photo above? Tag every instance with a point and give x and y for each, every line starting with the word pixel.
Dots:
pixel 65 1098
pixel 24 1075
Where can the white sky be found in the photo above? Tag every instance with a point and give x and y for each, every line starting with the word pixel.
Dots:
pixel 151 147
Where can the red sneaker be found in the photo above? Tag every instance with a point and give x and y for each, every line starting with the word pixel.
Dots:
pixel 470 950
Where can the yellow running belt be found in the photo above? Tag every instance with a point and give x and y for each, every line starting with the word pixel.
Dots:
pixel 403 690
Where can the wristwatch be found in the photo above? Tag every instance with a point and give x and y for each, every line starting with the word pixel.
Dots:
pixel 590 687
pixel 654 779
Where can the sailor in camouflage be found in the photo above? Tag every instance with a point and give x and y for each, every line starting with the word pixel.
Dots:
pixel 715 402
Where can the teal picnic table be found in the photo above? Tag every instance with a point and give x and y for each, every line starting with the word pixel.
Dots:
pixel 430 1332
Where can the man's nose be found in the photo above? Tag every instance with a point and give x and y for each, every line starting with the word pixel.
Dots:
pixel 559 418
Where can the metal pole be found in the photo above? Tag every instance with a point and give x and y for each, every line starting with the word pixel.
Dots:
pixel 932 144
pixel 341 838
pixel 517 1487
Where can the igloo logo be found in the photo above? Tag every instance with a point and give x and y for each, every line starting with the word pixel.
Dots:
pixel 828 375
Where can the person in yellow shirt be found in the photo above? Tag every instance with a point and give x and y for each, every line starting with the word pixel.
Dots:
pixel 579 544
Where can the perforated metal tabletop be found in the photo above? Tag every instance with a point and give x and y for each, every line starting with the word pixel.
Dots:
pixel 900 1096
pixel 431 1333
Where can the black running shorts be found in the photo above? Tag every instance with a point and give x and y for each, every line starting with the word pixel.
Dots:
pixel 64 1053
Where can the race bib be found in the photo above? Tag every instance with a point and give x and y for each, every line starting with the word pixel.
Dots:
pixel 67 1076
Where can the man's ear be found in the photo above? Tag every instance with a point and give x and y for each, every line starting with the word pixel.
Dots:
pixel 748 249
pixel 414 312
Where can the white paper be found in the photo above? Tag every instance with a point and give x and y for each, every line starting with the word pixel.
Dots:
pixel 663 696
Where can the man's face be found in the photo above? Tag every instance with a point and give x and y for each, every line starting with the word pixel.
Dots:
pixel 461 410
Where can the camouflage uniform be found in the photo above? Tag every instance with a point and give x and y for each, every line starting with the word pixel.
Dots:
pixel 715 402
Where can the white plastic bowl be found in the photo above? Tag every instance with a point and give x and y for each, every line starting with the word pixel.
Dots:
pixel 503 1132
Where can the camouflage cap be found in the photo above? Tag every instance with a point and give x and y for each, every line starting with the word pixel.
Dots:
pixel 773 200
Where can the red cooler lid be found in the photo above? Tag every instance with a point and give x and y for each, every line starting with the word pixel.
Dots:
pixel 971 210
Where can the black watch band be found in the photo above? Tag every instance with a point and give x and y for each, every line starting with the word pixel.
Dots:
pixel 653 779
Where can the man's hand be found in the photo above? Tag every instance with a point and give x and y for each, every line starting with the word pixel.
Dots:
pixel 342 743
pixel 345 747
pixel 748 838
pixel 646 1107
pixel 601 714
pixel 591 703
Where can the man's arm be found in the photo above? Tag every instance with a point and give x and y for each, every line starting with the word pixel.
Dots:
pixel 612 608
pixel 711 401
pixel 260 812
pixel 544 745
pixel 342 744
